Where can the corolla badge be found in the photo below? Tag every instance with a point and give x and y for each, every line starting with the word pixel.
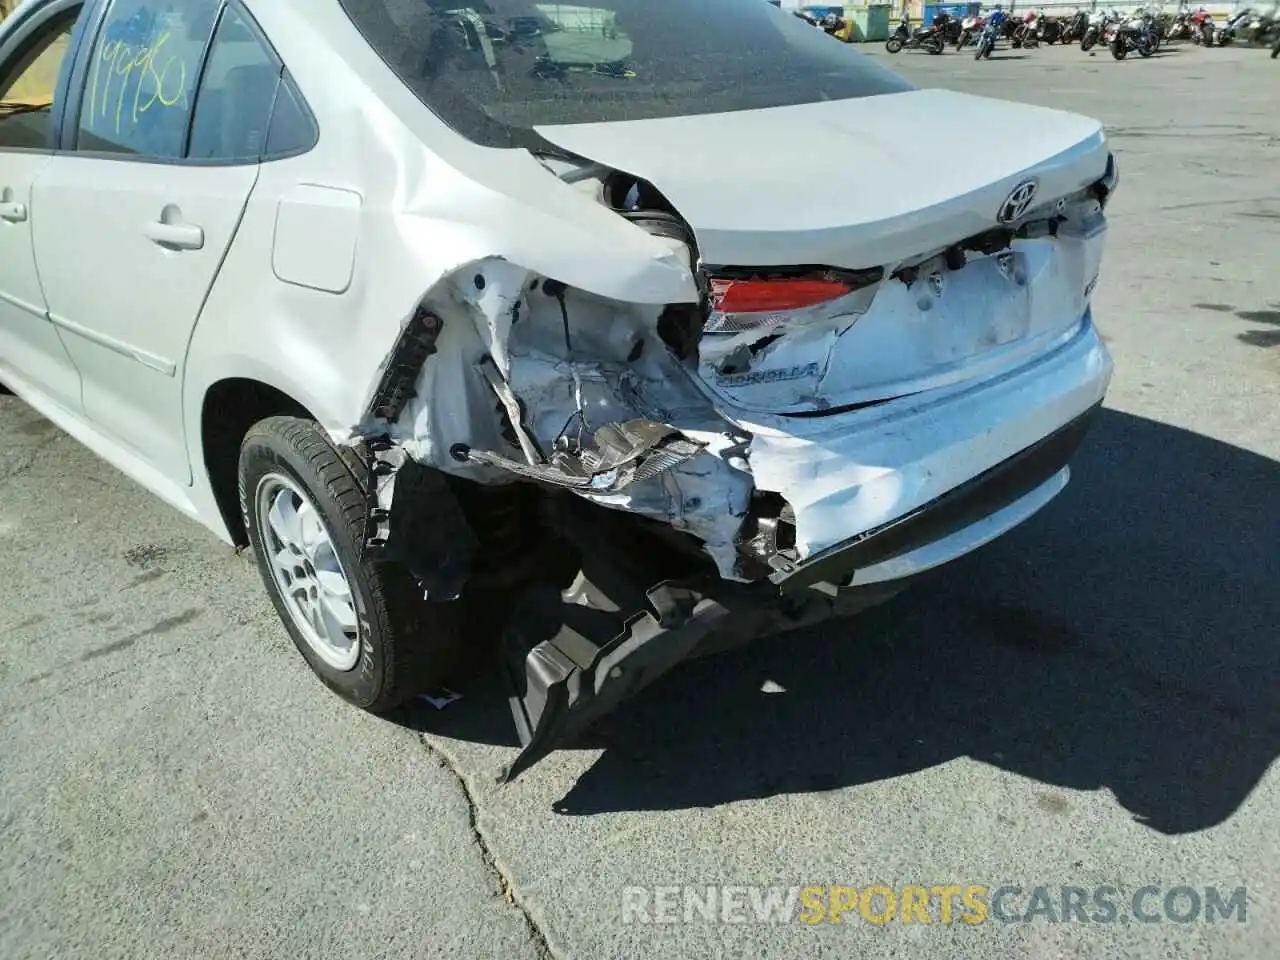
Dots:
pixel 1016 204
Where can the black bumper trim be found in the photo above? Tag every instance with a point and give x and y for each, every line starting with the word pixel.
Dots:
pixel 992 490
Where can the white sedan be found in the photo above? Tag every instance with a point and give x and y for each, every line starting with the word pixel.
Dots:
pixel 535 317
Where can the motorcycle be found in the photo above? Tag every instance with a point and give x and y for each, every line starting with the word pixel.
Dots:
pixel 1133 34
pixel 922 38
pixel 1144 19
pixel 833 25
pixel 1233 27
pixel 1076 27
pixel 1099 23
pixel 1049 30
pixel 987 41
pixel 1179 28
pixel 1264 31
pixel 1114 23
pixel 970 27
pixel 948 28
pixel 1027 33
pixel 1202 27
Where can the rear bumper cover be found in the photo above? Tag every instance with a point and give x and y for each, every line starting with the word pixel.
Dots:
pixel 964 506
pixel 846 476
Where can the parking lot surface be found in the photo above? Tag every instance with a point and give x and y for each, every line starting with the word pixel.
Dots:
pixel 1088 703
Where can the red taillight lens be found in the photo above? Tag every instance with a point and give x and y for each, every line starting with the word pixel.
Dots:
pixel 767 296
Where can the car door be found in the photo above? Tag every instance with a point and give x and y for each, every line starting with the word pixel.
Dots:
pixel 31 62
pixel 133 228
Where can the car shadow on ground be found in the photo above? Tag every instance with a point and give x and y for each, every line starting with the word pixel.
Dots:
pixel 1125 638
pixel 1264 337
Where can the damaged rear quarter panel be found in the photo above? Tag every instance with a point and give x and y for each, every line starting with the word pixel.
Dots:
pixel 614 370
pixel 421 224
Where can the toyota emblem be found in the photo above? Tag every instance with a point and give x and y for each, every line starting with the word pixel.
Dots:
pixel 1016 204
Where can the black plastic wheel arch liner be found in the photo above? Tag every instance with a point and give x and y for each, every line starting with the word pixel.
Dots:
pixel 570 664
pixel 567 681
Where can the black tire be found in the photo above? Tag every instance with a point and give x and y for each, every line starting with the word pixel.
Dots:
pixel 1117 49
pixel 893 45
pixel 1087 43
pixel 934 46
pixel 1275 52
pixel 407 644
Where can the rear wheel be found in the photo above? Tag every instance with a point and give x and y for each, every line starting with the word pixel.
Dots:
pixel 1087 43
pixel 362 625
pixel 893 44
pixel 934 45
pixel 1117 49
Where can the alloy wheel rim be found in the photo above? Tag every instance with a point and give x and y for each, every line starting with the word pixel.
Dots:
pixel 307 572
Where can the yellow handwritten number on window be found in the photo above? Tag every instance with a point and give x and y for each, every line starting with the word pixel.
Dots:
pixel 136 65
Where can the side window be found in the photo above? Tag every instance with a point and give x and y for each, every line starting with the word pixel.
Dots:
pixel 143 71
pixel 27 86
pixel 237 93
pixel 293 130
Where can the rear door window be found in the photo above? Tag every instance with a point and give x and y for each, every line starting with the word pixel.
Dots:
pixel 237 93
pixel 248 107
pixel 293 129
pixel 179 81
pixel 143 71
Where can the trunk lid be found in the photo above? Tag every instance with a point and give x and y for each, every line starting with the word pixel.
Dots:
pixel 846 183
pixel 876 183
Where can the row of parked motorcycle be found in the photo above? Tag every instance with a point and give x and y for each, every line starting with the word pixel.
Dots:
pixel 1140 31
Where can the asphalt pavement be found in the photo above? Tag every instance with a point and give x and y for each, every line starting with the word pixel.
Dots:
pixel 1088 703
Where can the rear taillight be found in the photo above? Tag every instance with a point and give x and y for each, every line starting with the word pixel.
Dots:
pixel 759 296
pixel 752 302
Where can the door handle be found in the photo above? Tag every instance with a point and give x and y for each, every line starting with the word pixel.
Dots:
pixel 13 212
pixel 175 236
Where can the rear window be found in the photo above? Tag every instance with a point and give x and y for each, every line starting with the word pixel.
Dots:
pixel 495 70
